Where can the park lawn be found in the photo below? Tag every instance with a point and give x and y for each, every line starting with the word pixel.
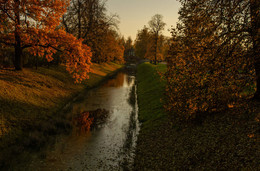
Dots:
pixel 30 101
pixel 226 140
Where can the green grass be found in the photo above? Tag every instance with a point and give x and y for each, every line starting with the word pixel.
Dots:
pixel 150 93
pixel 31 101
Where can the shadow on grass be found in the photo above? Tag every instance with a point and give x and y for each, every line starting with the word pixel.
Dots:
pixel 27 129
pixel 57 72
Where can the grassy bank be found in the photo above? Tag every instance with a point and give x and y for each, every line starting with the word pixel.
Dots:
pixel 150 94
pixel 30 103
pixel 227 140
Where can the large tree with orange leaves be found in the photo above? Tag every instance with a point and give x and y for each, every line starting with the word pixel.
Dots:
pixel 34 24
pixel 214 56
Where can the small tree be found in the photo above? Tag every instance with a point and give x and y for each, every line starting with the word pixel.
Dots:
pixel 34 24
pixel 156 25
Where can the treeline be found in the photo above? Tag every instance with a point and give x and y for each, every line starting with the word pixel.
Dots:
pixel 150 43
pixel 73 32
pixel 214 58
pixel 88 20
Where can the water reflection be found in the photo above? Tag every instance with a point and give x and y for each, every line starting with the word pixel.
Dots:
pixel 109 145
pixel 83 121
pixel 90 120
pixel 116 82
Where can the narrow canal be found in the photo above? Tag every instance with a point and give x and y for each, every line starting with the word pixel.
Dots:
pixel 110 143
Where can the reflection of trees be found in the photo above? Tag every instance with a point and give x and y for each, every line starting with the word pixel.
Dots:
pixel 116 82
pixel 87 120
pixel 84 121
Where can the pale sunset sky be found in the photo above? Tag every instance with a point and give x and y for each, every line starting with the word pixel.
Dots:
pixel 134 14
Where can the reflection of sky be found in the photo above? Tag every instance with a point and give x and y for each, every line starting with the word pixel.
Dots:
pixel 121 80
pixel 134 14
pixel 129 81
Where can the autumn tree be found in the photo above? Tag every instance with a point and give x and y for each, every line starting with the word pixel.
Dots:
pixel 161 50
pixel 87 19
pixel 112 48
pixel 141 42
pixel 81 16
pixel 239 21
pixel 145 43
pixel 128 45
pixel 209 64
pixel 156 25
pixel 34 25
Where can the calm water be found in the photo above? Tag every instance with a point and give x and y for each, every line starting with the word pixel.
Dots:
pixel 109 146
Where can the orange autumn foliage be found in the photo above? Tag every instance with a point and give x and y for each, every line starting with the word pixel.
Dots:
pixel 34 25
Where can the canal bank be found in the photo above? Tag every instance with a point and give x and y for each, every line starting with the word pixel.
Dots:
pixel 109 144
pixel 152 151
pixel 31 104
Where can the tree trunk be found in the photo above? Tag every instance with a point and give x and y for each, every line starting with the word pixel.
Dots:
pixel 255 25
pixel 18 62
pixel 36 62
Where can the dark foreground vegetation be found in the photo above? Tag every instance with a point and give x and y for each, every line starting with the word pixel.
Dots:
pixel 32 108
pixel 221 140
